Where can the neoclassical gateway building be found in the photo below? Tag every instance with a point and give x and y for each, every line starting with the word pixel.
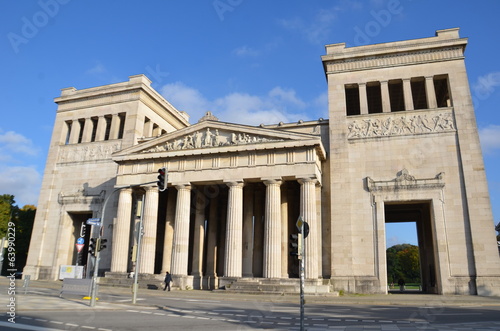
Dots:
pixel 400 145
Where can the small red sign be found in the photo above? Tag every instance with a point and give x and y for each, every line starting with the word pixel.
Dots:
pixel 79 247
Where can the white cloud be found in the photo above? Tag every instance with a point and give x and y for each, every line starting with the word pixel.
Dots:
pixel 245 51
pixel 319 29
pixel 12 142
pixel 278 105
pixel 21 182
pixel 490 138
pixel 486 84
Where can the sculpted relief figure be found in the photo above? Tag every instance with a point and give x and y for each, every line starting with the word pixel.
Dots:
pixel 209 139
pixel 401 125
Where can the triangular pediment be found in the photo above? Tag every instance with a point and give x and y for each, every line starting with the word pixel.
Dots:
pixel 214 134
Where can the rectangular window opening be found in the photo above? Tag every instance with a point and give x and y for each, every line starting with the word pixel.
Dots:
pixel 108 127
pixel 418 93
pixel 94 128
pixel 68 134
pixel 121 116
pixel 396 95
pixel 352 100
pixel 442 91
pixel 82 127
pixel 374 97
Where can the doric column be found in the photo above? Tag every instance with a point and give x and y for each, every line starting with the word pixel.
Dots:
pixel 386 101
pixel 234 230
pixel 87 130
pixel 101 129
pixel 149 221
pixel 407 94
pixel 180 247
pixel 199 234
pixel 284 232
pixel 75 132
pixel 308 212
pixel 248 192
pixel 121 232
pixel 272 230
pixel 169 232
pixel 363 99
pixel 115 127
pixel 430 92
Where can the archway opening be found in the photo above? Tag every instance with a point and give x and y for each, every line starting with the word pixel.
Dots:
pixel 414 262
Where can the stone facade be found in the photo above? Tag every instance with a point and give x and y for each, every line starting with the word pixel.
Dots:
pixel 401 145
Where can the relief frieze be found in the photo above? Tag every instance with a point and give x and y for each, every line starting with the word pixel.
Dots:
pixel 207 139
pixel 87 152
pixel 400 124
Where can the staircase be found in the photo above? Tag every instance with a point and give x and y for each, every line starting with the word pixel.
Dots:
pixel 278 286
pixel 115 279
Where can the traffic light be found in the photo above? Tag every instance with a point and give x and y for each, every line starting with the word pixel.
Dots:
pixel 101 244
pixel 296 245
pixel 93 246
pixel 162 177
pixel 133 253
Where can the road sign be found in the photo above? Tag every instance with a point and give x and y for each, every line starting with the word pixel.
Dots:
pixel 299 223
pixel 80 241
pixel 94 221
pixel 79 247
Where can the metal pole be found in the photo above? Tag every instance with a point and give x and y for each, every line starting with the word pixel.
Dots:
pixel 138 261
pixel 302 257
pixel 97 256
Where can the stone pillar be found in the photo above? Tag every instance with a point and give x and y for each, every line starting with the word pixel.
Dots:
pixel 199 235
pixel 75 132
pixel 101 129
pixel 430 92
pixel 386 101
pixel 121 232
pixel 115 127
pixel 308 212
pixel 180 248
pixel 272 230
pixel 248 193
pixel 407 94
pixel 87 130
pixel 149 223
pixel 234 230
pixel 363 99
pixel 148 129
pixel 284 232
pixel 169 231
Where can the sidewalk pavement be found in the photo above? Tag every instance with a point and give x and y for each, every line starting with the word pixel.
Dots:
pixel 38 298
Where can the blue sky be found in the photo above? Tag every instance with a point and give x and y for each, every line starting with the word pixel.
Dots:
pixel 247 61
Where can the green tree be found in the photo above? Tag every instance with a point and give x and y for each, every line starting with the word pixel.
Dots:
pixel 403 261
pixel 23 220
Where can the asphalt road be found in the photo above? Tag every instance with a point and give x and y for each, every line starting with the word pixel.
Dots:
pixel 42 309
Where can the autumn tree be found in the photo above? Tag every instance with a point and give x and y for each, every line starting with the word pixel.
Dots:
pixel 403 261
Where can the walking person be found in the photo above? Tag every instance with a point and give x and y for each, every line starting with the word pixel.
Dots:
pixel 168 279
pixel 401 284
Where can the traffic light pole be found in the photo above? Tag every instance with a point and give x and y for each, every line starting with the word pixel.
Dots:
pixel 302 276
pixel 138 259
pixel 93 290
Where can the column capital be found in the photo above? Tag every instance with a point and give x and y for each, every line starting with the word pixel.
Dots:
pixel 236 182
pixel 150 187
pixel 304 180
pixel 272 181
pixel 181 186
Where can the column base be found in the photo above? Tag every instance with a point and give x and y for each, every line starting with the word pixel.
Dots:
pixel 358 284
